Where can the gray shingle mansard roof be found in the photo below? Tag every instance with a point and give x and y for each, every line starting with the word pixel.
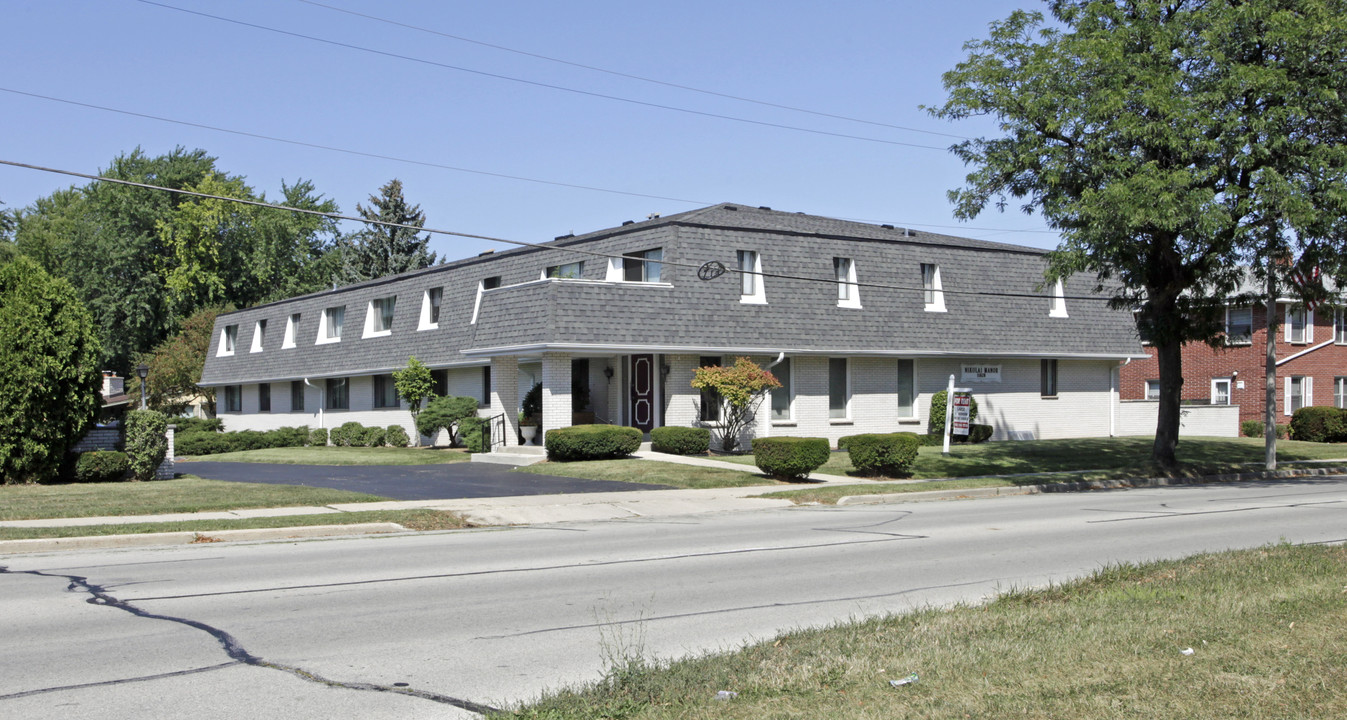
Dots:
pixel 685 314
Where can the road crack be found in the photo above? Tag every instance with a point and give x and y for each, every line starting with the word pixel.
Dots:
pixel 231 646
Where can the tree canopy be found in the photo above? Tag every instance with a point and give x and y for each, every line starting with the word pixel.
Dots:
pixel 381 250
pixel 175 367
pixel 1175 145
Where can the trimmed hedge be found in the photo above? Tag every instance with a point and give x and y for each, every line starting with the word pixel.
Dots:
pixel 890 454
pixel 680 440
pixel 191 425
pixel 1319 424
pixel 211 443
pixel 101 466
pixel 1254 429
pixel 471 431
pixel 348 435
pixel 374 437
pixel 591 442
pixel 792 458
pixel 396 436
pixel 318 437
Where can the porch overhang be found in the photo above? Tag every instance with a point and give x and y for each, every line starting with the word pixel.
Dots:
pixel 634 349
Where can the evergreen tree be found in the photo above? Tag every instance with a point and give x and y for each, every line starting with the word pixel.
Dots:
pixel 381 250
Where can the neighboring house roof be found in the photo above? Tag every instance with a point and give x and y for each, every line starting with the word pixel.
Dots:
pixel 687 315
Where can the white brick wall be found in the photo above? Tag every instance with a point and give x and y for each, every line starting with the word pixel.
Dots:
pixel 1081 409
pixel 505 375
pixel 1138 417
pixel 556 391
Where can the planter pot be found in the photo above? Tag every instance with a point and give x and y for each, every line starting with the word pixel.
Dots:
pixel 529 432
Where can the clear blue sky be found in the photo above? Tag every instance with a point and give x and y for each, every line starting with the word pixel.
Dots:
pixel 873 60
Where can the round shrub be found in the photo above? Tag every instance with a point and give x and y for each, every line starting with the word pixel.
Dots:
pixel 473 432
pixel 446 413
pixel 318 437
pixel 980 433
pixel 936 422
pixel 396 436
pixel 1319 424
pixel 373 437
pixel 792 458
pixel 591 442
pixel 349 434
pixel 146 442
pixel 890 454
pixel 1254 428
pixel 680 440
pixel 101 466
pixel 289 436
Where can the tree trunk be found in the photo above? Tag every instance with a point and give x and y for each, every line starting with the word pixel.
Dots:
pixel 1169 355
pixel 1270 375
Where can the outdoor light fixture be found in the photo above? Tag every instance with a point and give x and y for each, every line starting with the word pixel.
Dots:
pixel 608 372
pixel 142 371
pixel 664 370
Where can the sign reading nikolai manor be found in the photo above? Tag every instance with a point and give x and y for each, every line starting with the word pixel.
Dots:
pixel 975 372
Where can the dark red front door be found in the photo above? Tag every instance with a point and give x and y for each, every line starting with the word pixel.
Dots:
pixel 643 392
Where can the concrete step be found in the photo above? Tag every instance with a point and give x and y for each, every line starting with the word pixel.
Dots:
pixel 513 455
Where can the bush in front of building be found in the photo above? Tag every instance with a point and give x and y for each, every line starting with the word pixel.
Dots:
pixel 1254 429
pixel 935 424
pixel 213 443
pixel 1320 424
pixel 790 458
pixel 680 440
pixel 888 454
pixel 374 437
pixel 348 434
pixel 318 437
pixel 193 425
pixel 100 466
pixel 979 433
pixel 146 442
pixel 446 413
pixel 591 442
pixel 396 436
pixel 472 431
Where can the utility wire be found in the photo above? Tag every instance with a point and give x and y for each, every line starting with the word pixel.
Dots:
pixel 441 166
pixel 630 76
pixel 536 83
pixel 520 243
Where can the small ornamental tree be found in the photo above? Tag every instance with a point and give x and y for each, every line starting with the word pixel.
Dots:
pixel 414 384
pixel 741 389
pixel 446 412
pixel 146 444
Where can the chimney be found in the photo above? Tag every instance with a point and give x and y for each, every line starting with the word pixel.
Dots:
pixel 112 385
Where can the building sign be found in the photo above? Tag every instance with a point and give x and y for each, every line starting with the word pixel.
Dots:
pixel 963 400
pixel 981 373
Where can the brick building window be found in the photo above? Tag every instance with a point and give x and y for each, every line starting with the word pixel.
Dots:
pixel 1239 326
pixel 1340 392
pixel 1152 389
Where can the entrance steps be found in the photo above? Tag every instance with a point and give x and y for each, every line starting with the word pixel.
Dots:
pixel 513 455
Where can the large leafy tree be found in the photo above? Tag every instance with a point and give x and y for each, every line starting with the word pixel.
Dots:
pixel 382 250
pixel 175 367
pixel 49 357
pixel 1172 144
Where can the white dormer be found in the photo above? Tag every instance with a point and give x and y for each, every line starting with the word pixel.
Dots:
pixel 752 291
pixel 483 285
pixel 379 317
pixel 259 336
pixel 1058 309
pixel 291 331
pixel 330 325
pixel 848 292
pixel 933 293
pixel 430 309
pixel 228 339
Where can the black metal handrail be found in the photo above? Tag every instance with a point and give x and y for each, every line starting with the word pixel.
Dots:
pixel 495 434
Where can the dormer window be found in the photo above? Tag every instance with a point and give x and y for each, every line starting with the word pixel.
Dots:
pixel 379 317
pixel 933 294
pixel 430 309
pixel 329 325
pixel 1058 309
pixel 490 283
pixel 643 266
pixel 291 331
pixel 750 278
pixel 848 292
pixel 567 270
pixel 228 338
pixel 259 336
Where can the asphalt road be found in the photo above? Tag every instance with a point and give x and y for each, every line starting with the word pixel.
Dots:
pixel 409 482
pixel 468 619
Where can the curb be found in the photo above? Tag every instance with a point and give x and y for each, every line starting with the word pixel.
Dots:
pixel 99 542
pixel 972 493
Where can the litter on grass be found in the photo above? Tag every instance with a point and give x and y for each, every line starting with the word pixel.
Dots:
pixel 904 681
pixel 1187 651
pixel 726 695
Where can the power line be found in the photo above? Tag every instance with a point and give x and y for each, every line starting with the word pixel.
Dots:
pixel 535 83
pixel 630 76
pixel 454 168
pixel 521 243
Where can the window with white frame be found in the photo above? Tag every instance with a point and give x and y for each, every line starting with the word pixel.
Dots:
pixel 229 337
pixel 1340 392
pixel 430 309
pixel 1299 325
pixel 264 397
pixel 1047 378
pixel 1239 326
pixel 1299 394
pixel 933 293
pixel 644 266
pixel 751 289
pixel 296 396
pixel 1152 389
pixel 1220 391
pixel 709 405
pixel 1058 309
pixel 848 291
pixel 839 389
pixel 233 398
pixel 330 324
pixel 385 392
pixel 907 389
pixel 291 331
pixel 566 270
pixel 379 317
pixel 259 335
pixel 783 398
pixel 1340 326
pixel 338 394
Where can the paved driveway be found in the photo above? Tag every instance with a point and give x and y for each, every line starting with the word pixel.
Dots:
pixel 409 482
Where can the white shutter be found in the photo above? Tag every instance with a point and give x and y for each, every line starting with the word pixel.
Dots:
pixel 1309 338
pixel 1307 388
pixel 1286 400
pixel 1286 330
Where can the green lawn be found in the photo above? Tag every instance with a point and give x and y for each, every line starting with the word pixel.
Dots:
pixel 182 494
pixel 340 456
pixel 410 519
pixel 1265 627
pixel 652 472
pixel 1107 457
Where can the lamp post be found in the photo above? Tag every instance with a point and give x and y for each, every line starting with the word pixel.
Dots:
pixel 143 371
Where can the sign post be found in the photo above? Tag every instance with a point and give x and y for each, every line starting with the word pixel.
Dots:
pixel 958 405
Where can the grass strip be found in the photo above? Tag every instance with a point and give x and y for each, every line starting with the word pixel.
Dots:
pixel 339 456
pixel 186 493
pixel 653 472
pixel 1265 627
pixel 829 495
pixel 410 519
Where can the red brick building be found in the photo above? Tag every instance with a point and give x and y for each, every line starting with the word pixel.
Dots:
pixel 1311 363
